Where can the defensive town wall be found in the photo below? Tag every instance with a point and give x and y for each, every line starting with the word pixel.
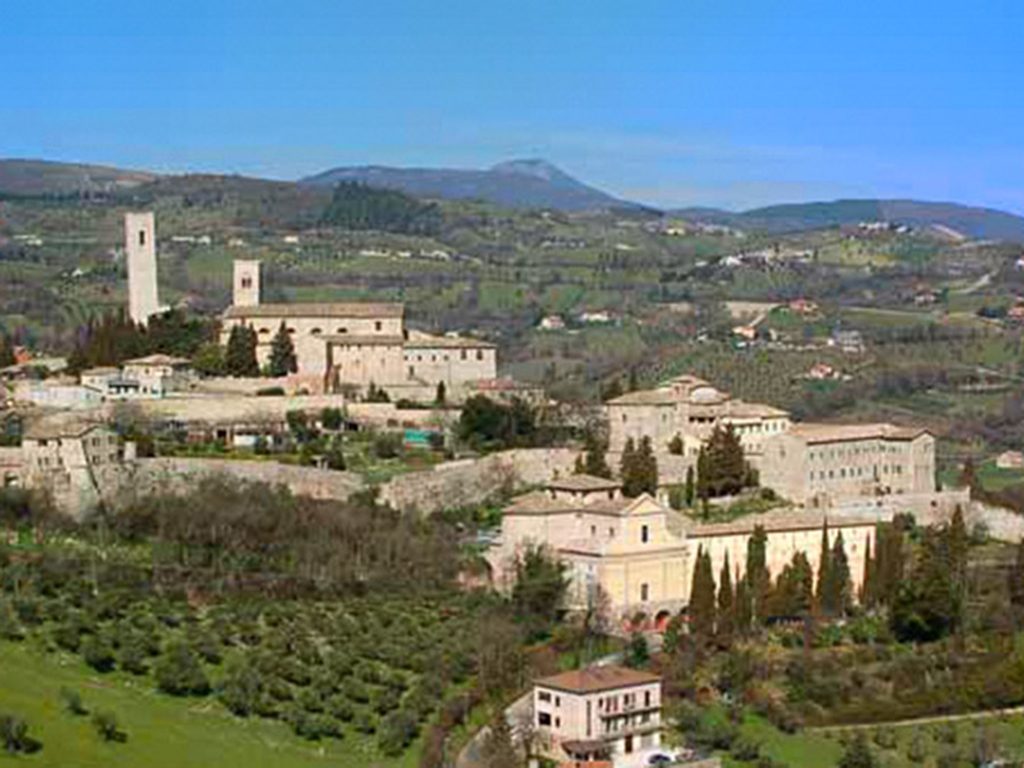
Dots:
pixel 462 483
pixel 454 484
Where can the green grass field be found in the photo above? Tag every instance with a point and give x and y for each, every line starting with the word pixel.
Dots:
pixel 823 749
pixel 161 730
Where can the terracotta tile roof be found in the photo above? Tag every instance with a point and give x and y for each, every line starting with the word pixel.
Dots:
pixel 158 359
pixel 323 309
pixel 425 341
pixel 584 483
pixel 834 433
pixel 791 520
pixel 541 503
pixel 364 340
pixel 594 679
pixel 646 397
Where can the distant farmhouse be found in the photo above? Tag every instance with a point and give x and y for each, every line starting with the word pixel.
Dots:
pixel 340 344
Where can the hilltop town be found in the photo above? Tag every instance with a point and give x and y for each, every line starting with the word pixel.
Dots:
pixel 628 530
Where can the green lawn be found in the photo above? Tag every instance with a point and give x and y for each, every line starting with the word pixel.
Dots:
pixel 162 731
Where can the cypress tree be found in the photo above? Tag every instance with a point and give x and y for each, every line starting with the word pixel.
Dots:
pixel 595 462
pixel 649 466
pixel 628 469
pixel 835 599
pixel 824 561
pixel 726 607
pixel 702 599
pixel 868 589
pixel 282 353
pixel 742 608
pixel 688 493
pixel 703 475
pixel 240 358
pixel 758 578
pixel 1016 584
pixel 793 595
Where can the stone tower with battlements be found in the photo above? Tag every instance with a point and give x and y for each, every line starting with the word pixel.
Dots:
pixel 246 291
pixel 140 252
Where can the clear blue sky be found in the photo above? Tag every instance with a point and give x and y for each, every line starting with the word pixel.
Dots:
pixel 716 102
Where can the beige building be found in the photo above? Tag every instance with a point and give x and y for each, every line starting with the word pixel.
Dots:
pixel 63 456
pixel 690 408
pixel 599 713
pixel 634 557
pixel 819 464
pixel 356 343
pixel 147 377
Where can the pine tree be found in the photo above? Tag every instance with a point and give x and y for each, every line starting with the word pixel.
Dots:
pixel 702 599
pixel 240 358
pixel 758 578
pixel 726 608
pixel 282 353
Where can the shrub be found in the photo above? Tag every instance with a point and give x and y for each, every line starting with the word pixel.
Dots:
pixel 387 445
pixel 14 735
pixel 396 732
pixel 179 673
pixel 72 700
pixel 270 392
pixel 242 688
pixel 106 725
pixel 98 653
pixel 365 722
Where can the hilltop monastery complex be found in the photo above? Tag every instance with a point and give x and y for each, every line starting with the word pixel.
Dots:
pixel 356 343
pixel 635 553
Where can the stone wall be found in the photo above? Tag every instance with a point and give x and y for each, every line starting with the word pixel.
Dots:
pixel 147 476
pixel 450 485
pixel 462 483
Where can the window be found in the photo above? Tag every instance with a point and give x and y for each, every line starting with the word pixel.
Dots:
pixel 378 325
pixel 644 593
pixel 479 354
pixel 142 237
pixel 463 354
pixel 647 698
pixel 342 330
pixel 543 718
pixel 247 282
pixel 593 530
pixel 558 701
pixel 544 696
pixel 644 534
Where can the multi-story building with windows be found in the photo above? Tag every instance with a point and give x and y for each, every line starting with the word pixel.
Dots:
pixel 690 408
pixel 598 713
pixel 341 344
pixel 818 464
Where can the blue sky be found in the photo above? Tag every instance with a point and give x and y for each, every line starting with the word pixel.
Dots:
pixel 730 103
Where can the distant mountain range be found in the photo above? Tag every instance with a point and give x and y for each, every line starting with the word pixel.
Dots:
pixel 43 177
pixel 972 222
pixel 515 184
pixel 529 183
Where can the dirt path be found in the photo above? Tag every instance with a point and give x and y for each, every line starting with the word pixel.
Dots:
pixel 987 714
